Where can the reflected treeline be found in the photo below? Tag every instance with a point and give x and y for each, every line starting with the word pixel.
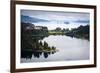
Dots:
pixel 29 54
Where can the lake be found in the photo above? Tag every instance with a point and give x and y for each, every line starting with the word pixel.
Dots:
pixel 69 48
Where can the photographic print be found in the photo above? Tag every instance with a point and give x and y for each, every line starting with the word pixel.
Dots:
pixel 51 36
pixel 54 36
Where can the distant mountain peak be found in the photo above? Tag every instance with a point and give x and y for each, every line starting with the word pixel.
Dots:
pixel 83 21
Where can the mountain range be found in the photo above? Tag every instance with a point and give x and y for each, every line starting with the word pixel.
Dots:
pixel 28 19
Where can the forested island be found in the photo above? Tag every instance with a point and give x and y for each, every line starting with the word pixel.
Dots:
pixel 32 35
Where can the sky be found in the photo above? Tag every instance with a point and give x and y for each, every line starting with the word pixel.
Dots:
pixel 58 19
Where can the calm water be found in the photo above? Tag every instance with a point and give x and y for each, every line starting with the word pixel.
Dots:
pixel 69 49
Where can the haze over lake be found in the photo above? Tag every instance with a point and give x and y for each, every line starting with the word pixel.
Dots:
pixel 53 19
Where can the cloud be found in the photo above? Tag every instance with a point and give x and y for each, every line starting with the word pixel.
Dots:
pixel 67 22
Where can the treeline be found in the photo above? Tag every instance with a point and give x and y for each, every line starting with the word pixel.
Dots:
pixel 80 32
pixel 58 31
pixel 28 28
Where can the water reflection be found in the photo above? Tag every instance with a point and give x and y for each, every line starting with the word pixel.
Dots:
pixel 68 49
pixel 29 54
